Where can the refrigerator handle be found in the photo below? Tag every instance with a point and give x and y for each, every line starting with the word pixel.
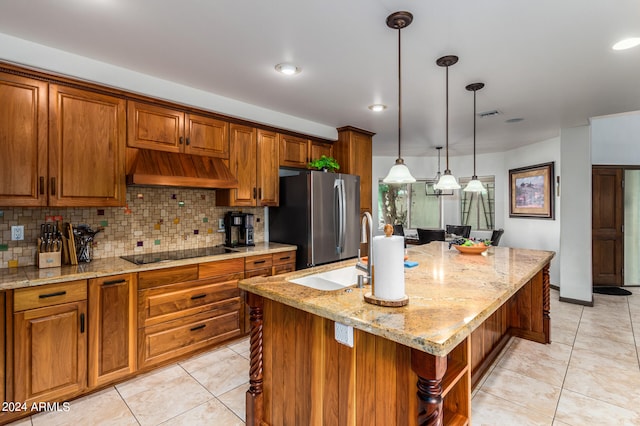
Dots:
pixel 337 214
pixel 343 217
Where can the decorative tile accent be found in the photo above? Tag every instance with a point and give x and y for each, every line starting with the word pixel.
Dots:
pixel 127 225
pixel 156 242
pixel 100 212
pixel 180 203
pixel 205 219
pixel 138 244
pixel 4 247
pixel 156 226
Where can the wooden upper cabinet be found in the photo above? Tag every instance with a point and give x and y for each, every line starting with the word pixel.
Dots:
pixel 267 169
pixel 166 129
pixel 154 127
pixel 23 138
pixel 293 151
pixel 353 153
pixel 87 134
pixel 206 136
pixel 298 152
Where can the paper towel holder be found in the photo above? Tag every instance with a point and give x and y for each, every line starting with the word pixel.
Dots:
pixel 370 298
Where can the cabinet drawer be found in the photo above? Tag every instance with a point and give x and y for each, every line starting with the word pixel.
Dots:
pixel 257 262
pixel 261 272
pixel 49 295
pixel 285 257
pixel 171 339
pixel 283 269
pixel 170 302
pixel 167 276
pixel 222 267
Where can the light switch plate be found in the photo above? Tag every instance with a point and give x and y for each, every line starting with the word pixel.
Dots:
pixel 344 334
pixel 17 233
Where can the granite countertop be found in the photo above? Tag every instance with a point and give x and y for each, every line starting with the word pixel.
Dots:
pixel 30 276
pixel 450 294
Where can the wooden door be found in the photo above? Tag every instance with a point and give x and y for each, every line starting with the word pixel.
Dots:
pixel 353 153
pixel 113 328
pixel 154 127
pixel 87 134
pixel 293 151
pixel 606 228
pixel 318 149
pixel 50 347
pixel 242 162
pixel 206 136
pixel 267 168
pixel 23 138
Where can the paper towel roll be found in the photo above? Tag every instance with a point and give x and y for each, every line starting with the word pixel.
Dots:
pixel 388 265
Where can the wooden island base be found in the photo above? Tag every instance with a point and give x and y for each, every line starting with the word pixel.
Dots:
pixel 300 374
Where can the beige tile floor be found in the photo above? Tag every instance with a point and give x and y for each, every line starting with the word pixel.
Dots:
pixel 588 375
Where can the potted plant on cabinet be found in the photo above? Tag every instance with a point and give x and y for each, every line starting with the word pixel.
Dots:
pixel 327 164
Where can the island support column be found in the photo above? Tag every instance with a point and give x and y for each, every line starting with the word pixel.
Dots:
pixel 430 370
pixel 546 304
pixel 254 394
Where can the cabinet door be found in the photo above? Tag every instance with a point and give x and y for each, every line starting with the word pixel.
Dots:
pixel 112 328
pixel 267 172
pixel 318 149
pixel 23 137
pixel 50 352
pixel 154 127
pixel 206 136
pixel 86 148
pixel 293 151
pixel 242 163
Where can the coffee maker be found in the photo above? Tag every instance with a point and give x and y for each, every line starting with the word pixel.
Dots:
pixel 238 229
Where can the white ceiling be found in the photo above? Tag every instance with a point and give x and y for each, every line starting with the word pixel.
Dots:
pixel 547 61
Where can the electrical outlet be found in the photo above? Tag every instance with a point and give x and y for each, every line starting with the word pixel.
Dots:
pixel 17 233
pixel 220 223
pixel 344 334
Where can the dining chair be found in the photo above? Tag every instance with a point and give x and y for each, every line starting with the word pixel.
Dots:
pixel 496 235
pixel 427 235
pixel 459 230
pixel 398 230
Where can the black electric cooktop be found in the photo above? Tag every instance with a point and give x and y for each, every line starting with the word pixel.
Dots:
pixel 141 259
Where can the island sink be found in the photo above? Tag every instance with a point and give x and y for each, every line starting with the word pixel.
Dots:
pixel 331 280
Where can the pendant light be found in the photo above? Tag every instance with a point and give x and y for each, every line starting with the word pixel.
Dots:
pixel 474 184
pixel 447 181
pixel 399 173
pixel 436 190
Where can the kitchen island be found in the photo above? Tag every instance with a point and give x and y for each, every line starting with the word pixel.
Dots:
pixel 462 311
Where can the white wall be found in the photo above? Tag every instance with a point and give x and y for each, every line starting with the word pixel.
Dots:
pixel 575 213
pixel 38 56
pixel 615 139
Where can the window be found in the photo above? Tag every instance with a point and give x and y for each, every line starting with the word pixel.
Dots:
pixel 476 209
pixel 412 205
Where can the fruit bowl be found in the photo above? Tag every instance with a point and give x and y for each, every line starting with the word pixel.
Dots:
pixel 476 249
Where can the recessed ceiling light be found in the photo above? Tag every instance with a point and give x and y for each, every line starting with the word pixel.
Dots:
pixel 627 43
pixel 288 69
pixel 377 107
pixel 514 120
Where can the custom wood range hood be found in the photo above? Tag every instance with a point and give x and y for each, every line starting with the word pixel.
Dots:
pixel 160 168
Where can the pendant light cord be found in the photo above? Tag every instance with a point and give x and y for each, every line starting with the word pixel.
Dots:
pixel 399 91
pixel 474 135
pixel 447 120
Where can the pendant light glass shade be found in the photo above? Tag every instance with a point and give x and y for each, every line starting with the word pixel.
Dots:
pixel 399 173
pixel 447 181
pixel 474 184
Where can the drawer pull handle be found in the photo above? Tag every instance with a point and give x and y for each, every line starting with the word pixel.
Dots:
pixel 114 282
pixel 81 323
pixel 198 296
pixel 57 293
pixel 180 140
pixel 285 258
pixel 259 261
pixel 188 141
pixel 198 327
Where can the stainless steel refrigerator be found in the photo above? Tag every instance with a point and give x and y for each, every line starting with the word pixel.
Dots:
pixel 320 213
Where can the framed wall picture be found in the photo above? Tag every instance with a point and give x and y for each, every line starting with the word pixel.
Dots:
pixel 531 191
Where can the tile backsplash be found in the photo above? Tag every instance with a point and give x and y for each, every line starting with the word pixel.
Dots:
pixel 154 220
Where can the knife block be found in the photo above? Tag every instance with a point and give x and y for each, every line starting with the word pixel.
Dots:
pixel 49 260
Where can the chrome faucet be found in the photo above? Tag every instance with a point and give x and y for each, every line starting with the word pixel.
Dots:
pixel 368 267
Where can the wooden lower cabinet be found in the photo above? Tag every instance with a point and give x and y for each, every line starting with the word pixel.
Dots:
pixel 112 328
pixel 50 342
pixel 177 317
